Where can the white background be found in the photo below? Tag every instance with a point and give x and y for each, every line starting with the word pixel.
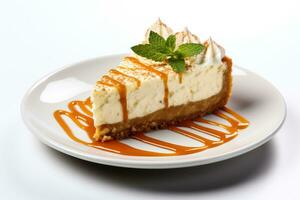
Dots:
pixel 37 37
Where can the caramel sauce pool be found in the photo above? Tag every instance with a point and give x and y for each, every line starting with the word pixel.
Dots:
pixel 79 112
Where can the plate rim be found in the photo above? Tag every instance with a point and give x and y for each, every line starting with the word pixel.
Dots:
pixel 150 164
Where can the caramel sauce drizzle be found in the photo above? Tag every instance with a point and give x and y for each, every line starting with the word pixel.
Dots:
pixel 109 81
pixel 120 85
pixel 116 72
pixel 162 75
pixel 180 77
pixel 81 115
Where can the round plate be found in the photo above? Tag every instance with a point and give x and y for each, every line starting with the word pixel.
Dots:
pixel 253 97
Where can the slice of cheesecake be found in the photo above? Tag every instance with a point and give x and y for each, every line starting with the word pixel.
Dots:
pixel 140 94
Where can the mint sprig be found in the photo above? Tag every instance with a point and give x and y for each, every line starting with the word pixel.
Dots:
pixel 160 49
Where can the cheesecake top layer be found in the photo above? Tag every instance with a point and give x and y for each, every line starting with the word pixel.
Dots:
pixel 140 86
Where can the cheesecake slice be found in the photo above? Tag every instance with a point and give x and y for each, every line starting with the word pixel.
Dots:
pixel 140 94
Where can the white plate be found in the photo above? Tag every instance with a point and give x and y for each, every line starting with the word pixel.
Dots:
pixel 253 97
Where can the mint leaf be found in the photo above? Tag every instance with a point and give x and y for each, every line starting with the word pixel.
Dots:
pixel 148 51
pixel 178 65
pixel 156 40
pixel 190 49
pixel 160 50
pixel 170 43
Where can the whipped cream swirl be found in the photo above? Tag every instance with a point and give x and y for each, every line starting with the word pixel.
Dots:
pixel 160 28
pixel 212 54
pixel 186 36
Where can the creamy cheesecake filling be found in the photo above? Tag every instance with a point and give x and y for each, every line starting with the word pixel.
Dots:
pixel 198 82
pixel 127 92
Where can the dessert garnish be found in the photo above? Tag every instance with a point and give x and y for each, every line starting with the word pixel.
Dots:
pixel 160 49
